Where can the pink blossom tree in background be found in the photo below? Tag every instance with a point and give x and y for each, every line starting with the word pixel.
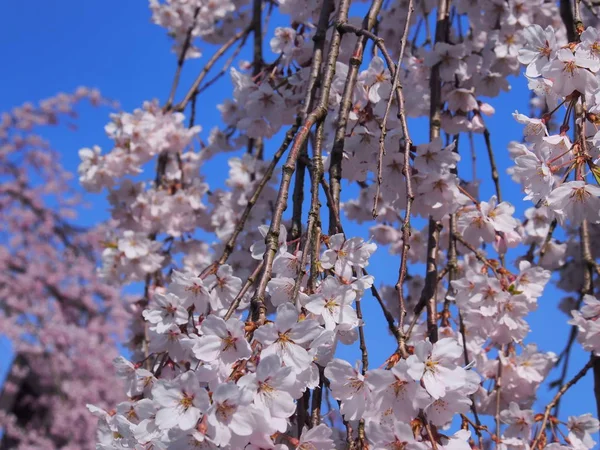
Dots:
pixel 255 289
pixel 62 319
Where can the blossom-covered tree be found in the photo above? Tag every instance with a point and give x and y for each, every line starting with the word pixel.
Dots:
pixel 62 319
pixel 236 342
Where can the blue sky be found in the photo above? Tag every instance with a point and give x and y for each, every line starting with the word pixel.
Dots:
pixel 112 45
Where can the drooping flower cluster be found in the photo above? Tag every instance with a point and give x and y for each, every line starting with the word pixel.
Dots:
pixel 552 168
pixel 222 383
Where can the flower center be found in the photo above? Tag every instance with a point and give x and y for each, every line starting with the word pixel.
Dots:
pixel 580 195
pixel 186 401
pixel 225 411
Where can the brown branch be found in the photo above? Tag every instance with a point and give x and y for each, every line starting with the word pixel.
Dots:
pixel 452 266
pixel 335 166
pixel 318 114
pixel 230 245
pixel 365 366
pixel 180 61
pixel 429 293
pixel 226 65
pixel 238 298
pixel 435 111
pixel 566 13
pixel 316 171
pixel 388 315
pixel 493 168
pixel 435 83
pixel 498 391
pixel 591 363
pixel 452 254
pixel 298 198
pixel 588 288
pixel 430 433
pixel 477 253
pixel 317 399
pixel 399 95
pixel 258 36
pixel 257 63
pixel 406 171
pixel 209 65
pixel 332 207
pixel 467 360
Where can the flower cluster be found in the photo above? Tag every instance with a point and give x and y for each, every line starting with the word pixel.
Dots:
pixel 213 21
pixel 543 166
pixel 224 384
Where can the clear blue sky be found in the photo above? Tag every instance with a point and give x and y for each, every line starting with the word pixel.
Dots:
pixel 56 46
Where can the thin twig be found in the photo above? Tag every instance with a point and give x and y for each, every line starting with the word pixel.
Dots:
pixel 494 169
pixel 557 397
pixel 230 245
pixel 238 298
pixel 498 391
pixel 477 253
pixel 257 63
pixel 209 65
pixel 388 315
pixel 181 60
pixel 467 362
pixel 226 65
pixel 398 89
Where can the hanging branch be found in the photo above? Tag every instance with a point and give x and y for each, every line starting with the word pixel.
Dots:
pixel 396 332
pixel 407 172
pixel 557 397
pixel 230 245
pixel 181 61
pixel 316 171
pixel 480 257
pixel 209 65
pixel 257 65
pixel 226 65
pixel 588 289
pixel 335 167
pixel 272 238
pixel 467 360
pixel 397 88
pixel 498 392
pixel 298 198
pixel 311 91
pixel 548 238
pixel 428 295
pixel 247 285
pixel 365 366
pixel 317 398
pixel 495 177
